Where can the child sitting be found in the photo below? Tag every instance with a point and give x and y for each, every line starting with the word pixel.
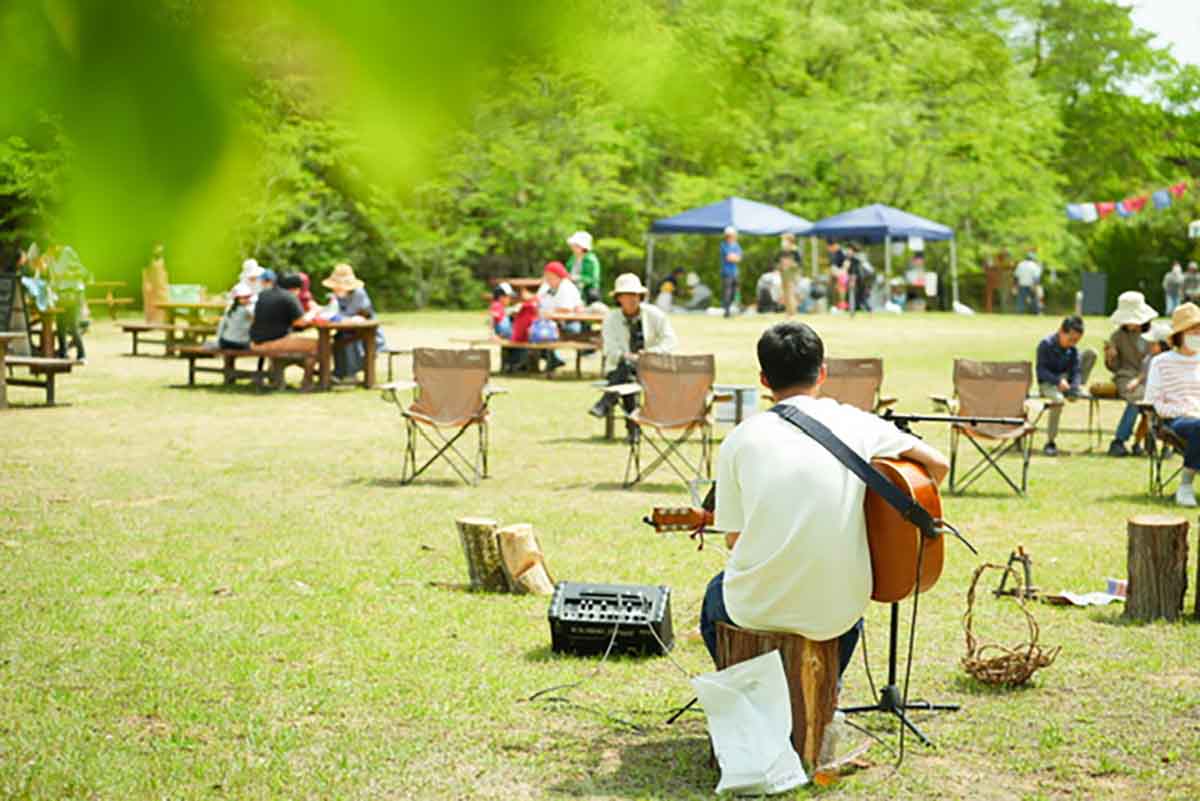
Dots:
pixel 233 332
pixel 522 321
pixel 498 311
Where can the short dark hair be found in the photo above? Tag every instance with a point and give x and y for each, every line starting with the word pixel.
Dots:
pixel 1072 323
pixel 790 355
pixel 289 281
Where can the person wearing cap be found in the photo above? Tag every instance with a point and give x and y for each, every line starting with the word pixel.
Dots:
pixel 667 289
pixel 354 304
pixel 307 301
pixel 233 332
pixel 1172 285
pixel 1061 372
pixel 1173 386
pixel 731 257
pixel 1028 275
pixel 558 294
pixel 498 318
pixel 248 278
pixel 700 295
pixel 584 267
pixel 266 280
pixel 634 327
pixel 275 312
pixel 1123 355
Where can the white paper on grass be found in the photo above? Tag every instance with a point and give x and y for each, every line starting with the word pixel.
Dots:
pixel 750 720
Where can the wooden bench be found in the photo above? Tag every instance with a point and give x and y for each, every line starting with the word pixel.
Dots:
pixel 173 335
pixel 42 370
pixel 268 369
pixel 579 347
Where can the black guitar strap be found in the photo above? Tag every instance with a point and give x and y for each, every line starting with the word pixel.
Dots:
pixel 899 500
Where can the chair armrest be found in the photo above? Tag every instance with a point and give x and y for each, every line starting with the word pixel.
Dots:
pixel 491 389
pixel 886 401
pixel 1144 405
pixel 623 389
pixel 720 397
pixel 945 402
pixel 399 386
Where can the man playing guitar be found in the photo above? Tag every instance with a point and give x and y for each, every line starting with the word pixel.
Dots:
pixel 792 513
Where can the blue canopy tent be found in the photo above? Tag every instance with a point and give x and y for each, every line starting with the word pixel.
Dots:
pixel 747 216
pixel 880 223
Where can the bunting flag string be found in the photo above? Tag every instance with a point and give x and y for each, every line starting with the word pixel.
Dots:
pixel 1091 212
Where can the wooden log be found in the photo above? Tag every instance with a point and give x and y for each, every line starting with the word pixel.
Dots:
pixel 811 668
pixel 523 561
pixel 480 546
pixel 1156 554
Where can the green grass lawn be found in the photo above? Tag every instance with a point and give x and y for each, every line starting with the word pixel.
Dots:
pixel 211 594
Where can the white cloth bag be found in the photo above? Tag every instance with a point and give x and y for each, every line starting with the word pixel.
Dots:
pixel 750 720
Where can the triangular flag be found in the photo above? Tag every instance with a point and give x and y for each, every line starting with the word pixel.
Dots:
pixel 1123 210
pixel 1075 212
pixel 1178 189
pixel 1135 204
pixel 1089 212
pixel 1105 209
pixel 1162 199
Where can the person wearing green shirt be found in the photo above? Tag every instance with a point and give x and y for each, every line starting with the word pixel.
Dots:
pixel 584 266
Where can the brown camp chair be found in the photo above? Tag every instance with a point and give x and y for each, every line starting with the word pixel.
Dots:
pixel 992 389
pixel 452 391
pixel 1161 444
pixel 856 382
pixel 677 397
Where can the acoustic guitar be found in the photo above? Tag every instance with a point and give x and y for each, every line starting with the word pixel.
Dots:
pixel 893 541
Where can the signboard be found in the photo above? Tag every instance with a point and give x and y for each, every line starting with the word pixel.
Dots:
pixel 8 299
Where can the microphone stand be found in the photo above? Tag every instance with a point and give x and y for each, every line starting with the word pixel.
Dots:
pixel 890 699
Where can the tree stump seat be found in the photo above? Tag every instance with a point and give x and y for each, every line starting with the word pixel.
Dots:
pixel 1157 554
pixel 811 668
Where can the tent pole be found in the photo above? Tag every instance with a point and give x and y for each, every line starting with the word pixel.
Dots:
pixel 649 258
pixel 953 272
pixel 813 251
pixel 887 255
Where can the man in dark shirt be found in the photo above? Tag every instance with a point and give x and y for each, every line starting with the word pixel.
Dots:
pixel 1061 372
pixel 859 287
pixel 275 312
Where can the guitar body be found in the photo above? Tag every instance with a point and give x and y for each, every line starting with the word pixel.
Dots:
pixel 894 542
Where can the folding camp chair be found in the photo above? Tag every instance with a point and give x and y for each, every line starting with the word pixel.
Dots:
pixel 1161 444
pixel 677 397
pixel 856 382
pixel 992 389
pixel 452 391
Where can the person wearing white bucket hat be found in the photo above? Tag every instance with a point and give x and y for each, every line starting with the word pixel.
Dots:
pixel 1173 386
pixel 630 329
pixel 583 266
pixel 1123 355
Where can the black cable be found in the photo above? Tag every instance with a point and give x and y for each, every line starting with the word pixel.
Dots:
pixel 867 662
pixel 912 638
pixel 588 677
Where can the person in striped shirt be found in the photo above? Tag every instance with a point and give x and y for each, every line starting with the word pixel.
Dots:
pixel 1173 386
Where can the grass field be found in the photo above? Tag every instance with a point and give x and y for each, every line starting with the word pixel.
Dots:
pixel 211 594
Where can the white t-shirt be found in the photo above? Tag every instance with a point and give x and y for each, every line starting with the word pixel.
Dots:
pixel 1028 273
pixel 566 298
pixel 802 563
pixel 1173 384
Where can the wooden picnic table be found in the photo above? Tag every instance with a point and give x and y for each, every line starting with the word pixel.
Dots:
pixel 518 283
pixel 363 329
pixel 109 299
pixel 192 312
pixel 5 338
pixel 593 318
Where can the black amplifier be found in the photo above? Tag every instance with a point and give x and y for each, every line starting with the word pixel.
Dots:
pixel 583 616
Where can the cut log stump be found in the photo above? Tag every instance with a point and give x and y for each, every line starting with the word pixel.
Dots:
pixel 811 668
pixel 1157 553
pixel 522 559
pixel 480 545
